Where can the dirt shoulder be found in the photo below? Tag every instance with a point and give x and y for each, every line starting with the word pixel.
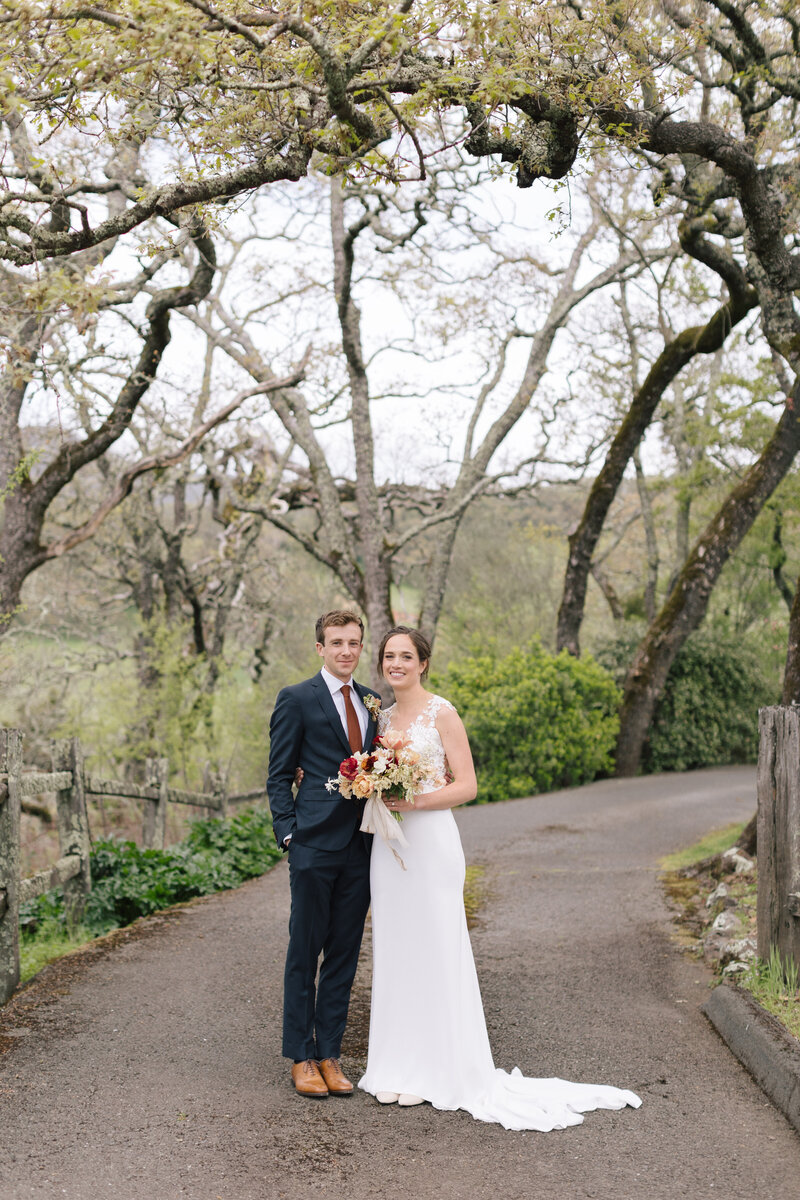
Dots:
pixel 715 900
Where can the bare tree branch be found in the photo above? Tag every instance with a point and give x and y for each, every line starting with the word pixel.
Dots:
pixel 127 478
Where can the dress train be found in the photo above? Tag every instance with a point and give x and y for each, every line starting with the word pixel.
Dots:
pixel 427 1028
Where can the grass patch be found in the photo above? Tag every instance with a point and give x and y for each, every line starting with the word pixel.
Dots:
pixel 52 941
pixel 774 984
pixel 474 892
pixel 686 897
pixel 713 843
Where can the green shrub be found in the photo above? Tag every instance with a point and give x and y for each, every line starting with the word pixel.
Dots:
pixel 708 712
pixel 129 882
pixel 536 721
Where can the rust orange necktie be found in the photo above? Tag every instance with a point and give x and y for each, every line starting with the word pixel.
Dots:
pixel 353 727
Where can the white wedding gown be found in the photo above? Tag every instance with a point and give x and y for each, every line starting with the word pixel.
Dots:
pixel 427 1031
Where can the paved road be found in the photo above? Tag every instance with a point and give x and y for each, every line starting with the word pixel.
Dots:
pixel 157 1074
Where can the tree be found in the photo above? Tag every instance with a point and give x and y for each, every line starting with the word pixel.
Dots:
pixel 364 528
pixel 28 496
pixel 189 589
pixel 756 70
pixel 72 334
pixel 687 603
pixel 256 97
pixel 706 337
pixel 351 88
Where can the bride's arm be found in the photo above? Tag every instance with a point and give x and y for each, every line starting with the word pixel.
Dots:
pixel 464 786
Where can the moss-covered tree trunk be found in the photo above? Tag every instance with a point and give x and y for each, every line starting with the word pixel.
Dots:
pixel 686 604
pixel 791 676
pixel 27 502
pixel 700 339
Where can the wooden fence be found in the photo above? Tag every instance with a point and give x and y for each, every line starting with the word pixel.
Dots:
pixel 779 833
pixel 72 785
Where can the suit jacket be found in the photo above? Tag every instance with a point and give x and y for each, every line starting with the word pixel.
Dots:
pixel 306 731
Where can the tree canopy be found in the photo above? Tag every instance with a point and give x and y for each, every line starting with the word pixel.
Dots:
pixel 135 134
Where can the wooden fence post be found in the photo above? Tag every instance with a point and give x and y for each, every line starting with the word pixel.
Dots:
pixel 221 792
pixel 11 768
pixel 216 782
pixel 779 833
pixel 73 827
pixel 154 826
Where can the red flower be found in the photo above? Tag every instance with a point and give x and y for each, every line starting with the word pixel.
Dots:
pixel 349 768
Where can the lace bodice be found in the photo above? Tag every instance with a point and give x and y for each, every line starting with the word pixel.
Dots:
pixel 424 738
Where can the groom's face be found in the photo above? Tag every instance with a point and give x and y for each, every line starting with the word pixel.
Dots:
pixel 341 649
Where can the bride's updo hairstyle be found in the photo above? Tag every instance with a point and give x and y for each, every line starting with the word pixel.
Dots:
pixel 421 645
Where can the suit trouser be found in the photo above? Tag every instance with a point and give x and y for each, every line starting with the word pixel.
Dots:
pixel 330 898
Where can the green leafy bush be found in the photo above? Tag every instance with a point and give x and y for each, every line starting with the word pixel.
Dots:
pixel 708 712
pixel 129 882
pixel 536 721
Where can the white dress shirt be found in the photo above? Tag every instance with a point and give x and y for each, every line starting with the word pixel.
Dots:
pixel 335 686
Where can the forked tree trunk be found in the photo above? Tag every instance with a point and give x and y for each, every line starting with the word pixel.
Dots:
pixel 27 502
pixel 701 339
pixel 686 604
pixel 380 619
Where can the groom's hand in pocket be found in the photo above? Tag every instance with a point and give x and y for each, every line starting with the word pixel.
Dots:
pixel 298 779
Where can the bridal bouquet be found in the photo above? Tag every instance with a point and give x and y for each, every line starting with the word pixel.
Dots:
pixel 391 768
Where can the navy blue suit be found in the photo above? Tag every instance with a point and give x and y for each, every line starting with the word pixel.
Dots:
pixel 328 865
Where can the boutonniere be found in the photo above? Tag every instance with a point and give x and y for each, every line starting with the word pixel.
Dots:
pixel 372 704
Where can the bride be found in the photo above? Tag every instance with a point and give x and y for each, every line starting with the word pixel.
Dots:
pixel 427 1038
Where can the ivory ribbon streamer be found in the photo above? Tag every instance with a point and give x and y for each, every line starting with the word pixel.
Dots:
pixel 378 819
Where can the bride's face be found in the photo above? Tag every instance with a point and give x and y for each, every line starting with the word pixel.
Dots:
pixel 401 663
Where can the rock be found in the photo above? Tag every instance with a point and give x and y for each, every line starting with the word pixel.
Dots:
pixel 743 949
pixel 720 892
pixel 725 931
pixel 734 968
pixel 733 858
pixel 727 923
pixel 714 946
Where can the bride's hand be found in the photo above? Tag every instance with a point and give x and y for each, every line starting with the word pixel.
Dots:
pixel 397 805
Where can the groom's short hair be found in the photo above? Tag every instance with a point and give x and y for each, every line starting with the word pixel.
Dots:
pixel 337 617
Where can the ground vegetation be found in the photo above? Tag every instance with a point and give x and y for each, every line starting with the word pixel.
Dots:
pixel 129 882
pixel 701 884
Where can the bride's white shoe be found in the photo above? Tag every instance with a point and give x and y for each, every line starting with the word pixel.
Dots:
pixel 406 1100
pixel 387 1097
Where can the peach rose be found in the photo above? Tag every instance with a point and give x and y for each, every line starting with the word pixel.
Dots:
pixel 393 740
pixel 362 787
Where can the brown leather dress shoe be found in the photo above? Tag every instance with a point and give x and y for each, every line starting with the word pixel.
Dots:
pixel 308 1081
pixel 337 1083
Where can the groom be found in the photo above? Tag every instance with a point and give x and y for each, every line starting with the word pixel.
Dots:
pixel 315 725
